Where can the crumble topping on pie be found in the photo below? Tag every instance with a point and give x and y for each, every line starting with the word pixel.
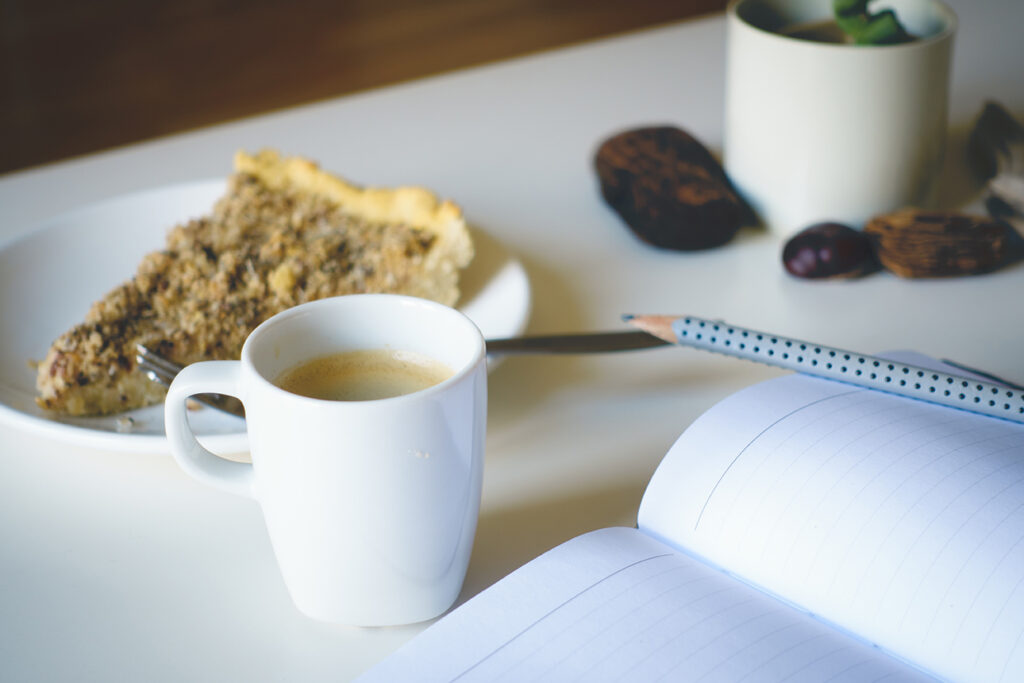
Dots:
pixel 284 233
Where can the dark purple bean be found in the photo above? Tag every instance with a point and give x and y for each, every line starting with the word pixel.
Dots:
pixel 829 250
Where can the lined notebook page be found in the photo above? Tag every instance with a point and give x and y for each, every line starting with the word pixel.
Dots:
pixel 615 605
pixel 900 520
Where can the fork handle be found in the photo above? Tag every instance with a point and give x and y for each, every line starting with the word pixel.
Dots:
pixel 218 377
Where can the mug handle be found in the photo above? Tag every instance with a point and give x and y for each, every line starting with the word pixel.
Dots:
pixel 206 377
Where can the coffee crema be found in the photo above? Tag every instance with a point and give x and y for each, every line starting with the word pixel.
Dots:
pixel 363 375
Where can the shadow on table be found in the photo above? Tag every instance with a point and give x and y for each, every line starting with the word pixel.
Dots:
pixel 511 537
pixel 555 310
pixel 955 186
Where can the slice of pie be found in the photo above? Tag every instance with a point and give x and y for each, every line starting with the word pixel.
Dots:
pixel 284 233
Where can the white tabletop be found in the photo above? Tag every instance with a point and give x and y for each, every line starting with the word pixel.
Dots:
pixel 116 566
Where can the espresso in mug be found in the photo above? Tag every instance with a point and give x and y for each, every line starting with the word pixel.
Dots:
pixel 363 375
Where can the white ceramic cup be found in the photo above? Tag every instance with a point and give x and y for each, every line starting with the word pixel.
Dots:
pixel 371 506
pixel 818 131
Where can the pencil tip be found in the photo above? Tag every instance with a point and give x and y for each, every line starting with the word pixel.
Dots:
pixel 658 325
pixel 626 317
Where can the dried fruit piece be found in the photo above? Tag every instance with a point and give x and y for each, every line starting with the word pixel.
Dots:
pixel 917 243
pixel 829 250
pixel 668 188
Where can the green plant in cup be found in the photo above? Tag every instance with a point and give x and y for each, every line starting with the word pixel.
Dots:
pixel 866 28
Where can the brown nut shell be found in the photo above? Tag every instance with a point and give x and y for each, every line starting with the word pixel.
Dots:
pixel 669 189
pixel 915 243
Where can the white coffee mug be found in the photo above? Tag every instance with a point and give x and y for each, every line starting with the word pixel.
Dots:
pixel 371 506
pixel 833 132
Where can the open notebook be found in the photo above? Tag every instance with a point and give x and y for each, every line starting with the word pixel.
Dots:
pixel 800 530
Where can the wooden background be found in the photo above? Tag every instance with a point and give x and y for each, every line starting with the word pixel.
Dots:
pixel 77 76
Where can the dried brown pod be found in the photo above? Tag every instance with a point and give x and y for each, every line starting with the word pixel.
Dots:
pixel 916 243
pixel 669 189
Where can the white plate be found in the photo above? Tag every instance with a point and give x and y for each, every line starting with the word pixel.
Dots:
pixel 49 278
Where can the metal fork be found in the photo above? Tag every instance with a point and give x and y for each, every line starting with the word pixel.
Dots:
pixel 161 370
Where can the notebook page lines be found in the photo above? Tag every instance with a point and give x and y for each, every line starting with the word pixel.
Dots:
pixel 848 512
pixel 532 627
pixel 673 618
pixel 1014 513
pixel 944 576
pixel 996 622
pixel 743 452
pixel 783 455
pixel 887 515
pixel 929 523
pixel 861 442
pixel 659 585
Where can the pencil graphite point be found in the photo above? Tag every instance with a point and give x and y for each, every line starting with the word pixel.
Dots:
pixel 658 325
